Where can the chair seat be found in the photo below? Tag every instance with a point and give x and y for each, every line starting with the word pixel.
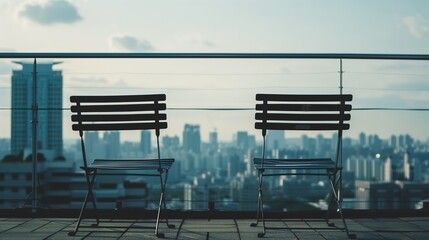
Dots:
pixel 131 164
pixel 313 163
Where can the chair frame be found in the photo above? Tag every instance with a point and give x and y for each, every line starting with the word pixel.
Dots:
pixel 116 113
pixel 305 113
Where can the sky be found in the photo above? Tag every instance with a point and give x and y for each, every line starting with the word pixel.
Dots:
pixel 269 26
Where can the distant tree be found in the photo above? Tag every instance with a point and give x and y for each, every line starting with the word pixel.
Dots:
pixel 11 158
pixel 40 158
pixel 21 155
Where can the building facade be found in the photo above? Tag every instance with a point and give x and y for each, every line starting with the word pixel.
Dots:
pixel 192 138
pixel 49 102
pixel 146 143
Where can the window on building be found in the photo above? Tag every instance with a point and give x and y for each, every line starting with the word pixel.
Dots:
pixel 108 186
pixel 15 176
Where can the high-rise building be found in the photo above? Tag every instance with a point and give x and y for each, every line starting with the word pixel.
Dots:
pixel 393 141
pixel 170 143
pixel 242 140
pixel 375 142
pixel 192 138
pixel 213 142
pixel 252 141
pixel 362 139
pixel 407 167
pixel 275 139
pixel 202 191
pixel 112 140
pixel 417 170
pixel 388 170
pixel 94 148
pixel 308 144
pixel 49 98
pixel 408 141
pixel 401 141
pixel 145 143
pixel 377 195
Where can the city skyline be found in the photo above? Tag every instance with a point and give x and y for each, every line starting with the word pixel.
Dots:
pixel 394 165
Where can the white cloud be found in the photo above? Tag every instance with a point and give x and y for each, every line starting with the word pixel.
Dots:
pixel 49 12
pixel 130 43
pixel 416 25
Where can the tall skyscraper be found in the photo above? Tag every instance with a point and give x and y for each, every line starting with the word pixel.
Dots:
pixel 170 143
pixel 393 141
pixel 112 140
pixel 275 139
pixel 192 138
pixel 388 170
pixel 145 143
pixel 242 140
pixel 408 141
pixel 401 141
pixel 407 167
pixel 362 139
pixel 49 100
pixel 213 143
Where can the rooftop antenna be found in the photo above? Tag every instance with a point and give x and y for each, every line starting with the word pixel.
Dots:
pixel 341 76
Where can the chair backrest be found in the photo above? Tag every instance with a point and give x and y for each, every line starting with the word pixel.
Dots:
pixel 302 112
pixel 118 112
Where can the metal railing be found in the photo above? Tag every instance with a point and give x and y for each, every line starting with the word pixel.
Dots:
pixel 339 56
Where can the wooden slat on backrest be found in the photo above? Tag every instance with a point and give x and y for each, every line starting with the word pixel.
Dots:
pixel 119 112
pixel 119 98
pixel 304 107
pixel 119 118
pixel 302 117
pixel 302 112
pixel 118 107
pixel 303 98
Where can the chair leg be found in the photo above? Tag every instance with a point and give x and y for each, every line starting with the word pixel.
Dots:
pixel 157 233
pixel 330 203
pixel 164 204
pixel 259 205
pixel 166 218
pixel 161 201
pixel 262 234
pixel 260 210
pixel 257 211
pixel 89 195
pixel 349 235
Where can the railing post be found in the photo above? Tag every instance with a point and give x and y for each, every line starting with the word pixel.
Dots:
pixel 340 143
pixel 34 138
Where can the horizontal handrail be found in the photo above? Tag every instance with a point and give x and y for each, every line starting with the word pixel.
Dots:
pixel 230 109
pixel 215 55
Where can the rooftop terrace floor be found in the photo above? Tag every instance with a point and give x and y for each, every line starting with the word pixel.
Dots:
pixel 364 228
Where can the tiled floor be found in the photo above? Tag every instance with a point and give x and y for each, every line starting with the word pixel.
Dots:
pixel 364 228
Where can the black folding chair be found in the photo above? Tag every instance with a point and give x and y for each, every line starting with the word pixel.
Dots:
pixel 303 113
pixel 115 113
